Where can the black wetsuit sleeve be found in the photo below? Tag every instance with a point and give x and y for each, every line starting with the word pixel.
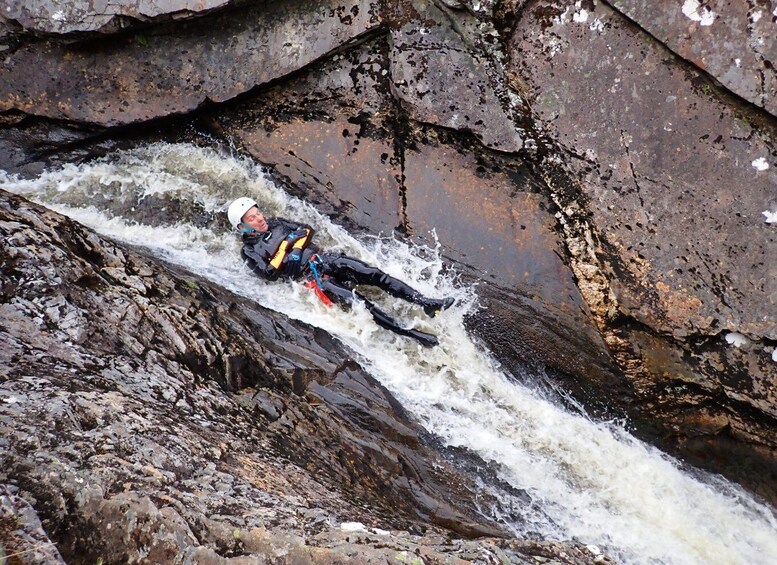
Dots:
pixel 259 265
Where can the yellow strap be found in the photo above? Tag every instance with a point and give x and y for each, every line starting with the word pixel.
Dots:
pixel 283 249
pixel 277 259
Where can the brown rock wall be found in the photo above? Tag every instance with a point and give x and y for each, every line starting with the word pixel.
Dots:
pixel 666 181
pixel 667 169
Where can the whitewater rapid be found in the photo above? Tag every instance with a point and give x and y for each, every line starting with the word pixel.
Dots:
pixel 589 481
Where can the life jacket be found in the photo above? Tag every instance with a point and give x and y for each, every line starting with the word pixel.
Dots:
pixel 266 252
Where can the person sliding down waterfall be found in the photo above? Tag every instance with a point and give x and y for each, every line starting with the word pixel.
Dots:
pixel 279 248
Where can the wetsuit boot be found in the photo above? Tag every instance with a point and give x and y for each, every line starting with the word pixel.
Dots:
pixel 433 306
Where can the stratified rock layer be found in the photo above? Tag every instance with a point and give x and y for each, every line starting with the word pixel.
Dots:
pixel 58 16
pixel 141 77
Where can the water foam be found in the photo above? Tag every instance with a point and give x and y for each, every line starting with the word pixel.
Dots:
pixel 588 481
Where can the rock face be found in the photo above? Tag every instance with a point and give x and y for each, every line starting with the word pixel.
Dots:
pixel 734 42
pixel 149 417
pixel 336 138
pixel 675 179
pixel 443 80
pixel 145 76
pixel 82 15
pixel 22 538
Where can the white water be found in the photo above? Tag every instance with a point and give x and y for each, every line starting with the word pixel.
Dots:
pixel 589 481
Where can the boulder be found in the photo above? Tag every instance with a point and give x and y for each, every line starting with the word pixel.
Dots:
pixel 735 42
pixel 147 75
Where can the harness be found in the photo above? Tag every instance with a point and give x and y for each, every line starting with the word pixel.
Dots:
pixel 315 282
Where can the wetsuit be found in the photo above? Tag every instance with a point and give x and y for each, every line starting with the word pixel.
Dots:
pixel 285 250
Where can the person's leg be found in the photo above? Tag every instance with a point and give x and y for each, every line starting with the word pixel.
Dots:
pixel 387 322
pixel 343 295
pixel 347 268
pixel 340 293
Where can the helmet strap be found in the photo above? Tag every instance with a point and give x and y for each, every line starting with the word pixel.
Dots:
pixel 245 228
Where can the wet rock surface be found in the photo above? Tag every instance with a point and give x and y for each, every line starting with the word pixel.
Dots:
pixel 336 137
pixel 68 16
pixel 734 42
pixel 147 416
pixel 443 79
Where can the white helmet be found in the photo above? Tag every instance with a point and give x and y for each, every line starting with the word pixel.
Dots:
pixel 237 209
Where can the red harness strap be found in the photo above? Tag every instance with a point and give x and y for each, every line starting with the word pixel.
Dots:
pixel 319 292
pixel 315 282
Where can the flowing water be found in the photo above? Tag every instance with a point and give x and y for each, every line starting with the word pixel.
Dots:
pixel 587 480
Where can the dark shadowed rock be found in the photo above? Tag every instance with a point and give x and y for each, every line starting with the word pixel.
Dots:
pixel 26 144
pixel 175 70
pixel 673 178
pixel 66 16
pixel 735 42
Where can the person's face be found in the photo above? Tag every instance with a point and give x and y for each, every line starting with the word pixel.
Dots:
pixel 254 219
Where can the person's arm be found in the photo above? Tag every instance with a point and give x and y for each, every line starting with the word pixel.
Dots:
pixel 259 265
pixel 297 230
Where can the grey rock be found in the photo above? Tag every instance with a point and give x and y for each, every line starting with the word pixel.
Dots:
pixel 734 42
pixel 91 15
pixel 444 80
pixel 22 538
